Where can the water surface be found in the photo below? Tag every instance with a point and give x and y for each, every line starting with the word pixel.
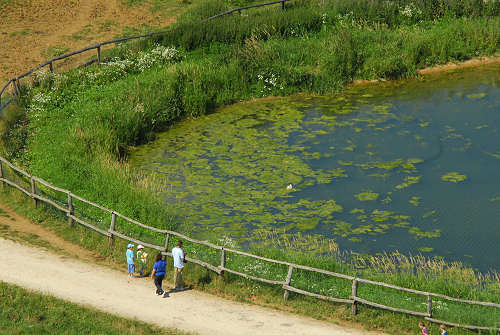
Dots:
pixel 410 166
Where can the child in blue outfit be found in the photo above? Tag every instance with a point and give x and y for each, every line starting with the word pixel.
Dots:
pixel 159 273
pixel 130 260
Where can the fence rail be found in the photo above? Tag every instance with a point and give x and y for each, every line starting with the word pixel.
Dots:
pixel 353 300
pixel 15 82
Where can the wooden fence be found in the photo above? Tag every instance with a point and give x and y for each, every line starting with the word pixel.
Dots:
pixel 111 233
pixel 354 299
pixel 15 83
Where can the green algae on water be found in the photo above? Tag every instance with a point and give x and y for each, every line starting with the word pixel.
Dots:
pixel 358 172
pixel 409 180
pixel 453 177
pixel 476 96
pixel 367 196
pixel 415 201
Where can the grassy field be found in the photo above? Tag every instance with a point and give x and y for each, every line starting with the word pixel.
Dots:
pixel 75 129
pixel 26 312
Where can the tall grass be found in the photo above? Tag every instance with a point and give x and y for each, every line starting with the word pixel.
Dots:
pixel 305 16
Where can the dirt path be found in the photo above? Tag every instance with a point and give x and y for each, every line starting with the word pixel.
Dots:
pixel 112 291
pixel 101 287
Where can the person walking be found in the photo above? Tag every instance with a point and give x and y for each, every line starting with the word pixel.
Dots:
pixel 179 259
pixel 142 259
pixel 423 328
pixel 130 259
pixel 158 273
pixel 443 330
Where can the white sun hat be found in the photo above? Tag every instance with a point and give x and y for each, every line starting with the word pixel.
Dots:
pixel 140 246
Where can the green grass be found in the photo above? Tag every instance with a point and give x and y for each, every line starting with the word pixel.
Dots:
pixel 27 312
pixel 75 129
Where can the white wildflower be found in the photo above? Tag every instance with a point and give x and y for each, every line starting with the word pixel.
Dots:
pixel 37 105
pixel 139 109
pixel 410 10
pixel 323 18
pixel 269 81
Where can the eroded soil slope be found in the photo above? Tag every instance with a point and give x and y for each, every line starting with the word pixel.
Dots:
pixel 32 31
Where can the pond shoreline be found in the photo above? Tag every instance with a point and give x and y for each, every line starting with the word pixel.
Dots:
pixel 438 69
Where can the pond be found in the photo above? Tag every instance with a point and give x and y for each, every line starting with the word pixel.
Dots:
pixel 409 166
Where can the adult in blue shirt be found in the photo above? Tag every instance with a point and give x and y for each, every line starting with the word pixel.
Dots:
pixel 159 273
pixel 130 259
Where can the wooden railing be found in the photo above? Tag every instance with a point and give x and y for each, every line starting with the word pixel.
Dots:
pixel 111 232
pixel 282 2
pixel 15 83
pixel 354 299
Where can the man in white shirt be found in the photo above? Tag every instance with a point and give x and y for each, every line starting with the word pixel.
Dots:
pixel 179 259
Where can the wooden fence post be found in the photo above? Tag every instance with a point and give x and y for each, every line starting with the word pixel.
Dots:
pixel 429 305
pixel 99 54
pixel 287 282
pixel 71 210
pixel 111 229
pixel 14 85
pixel 33 192
pixel 222 261
pixel 18 84
pixel 1 175
pixel 51 67
pixel 283 4
pixel 354 293
pixel 167 238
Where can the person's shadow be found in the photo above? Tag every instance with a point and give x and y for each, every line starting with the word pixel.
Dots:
pixel 146 274
pixel 173 290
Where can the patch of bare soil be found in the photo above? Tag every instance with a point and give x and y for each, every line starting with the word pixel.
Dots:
pixel 438 69
pixel 33 31
pixel 20 228
pixel 480 61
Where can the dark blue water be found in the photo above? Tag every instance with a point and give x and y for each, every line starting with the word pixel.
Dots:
pixel 409 166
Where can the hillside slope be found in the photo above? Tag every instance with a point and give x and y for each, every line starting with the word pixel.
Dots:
pixel 34 30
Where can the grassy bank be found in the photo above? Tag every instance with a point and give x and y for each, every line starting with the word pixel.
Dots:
pixel 26 312
pixel 75 129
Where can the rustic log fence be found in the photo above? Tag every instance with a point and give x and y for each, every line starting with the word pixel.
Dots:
pixel 31 190
pixel 15 83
